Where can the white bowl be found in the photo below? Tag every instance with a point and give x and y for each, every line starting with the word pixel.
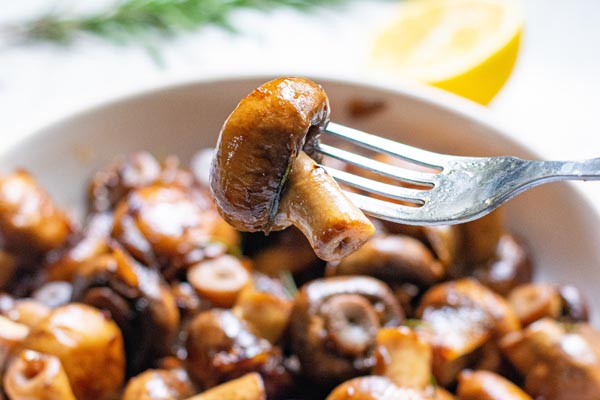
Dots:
pixel 561 228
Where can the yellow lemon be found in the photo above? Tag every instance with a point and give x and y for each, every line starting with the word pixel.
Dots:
pixel 467 47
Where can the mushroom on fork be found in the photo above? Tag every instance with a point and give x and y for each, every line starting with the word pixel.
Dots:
pixel 264 179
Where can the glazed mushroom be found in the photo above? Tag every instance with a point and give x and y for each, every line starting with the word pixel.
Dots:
pixel 221 346
pixel 394 259
pixel 404 357
pixel 159 384
pixel 511 266
pixel 12 335
pixel 263 178
pixel 30 222
pixel 486 385
pixel 137 299
pixel 463 316
pixel 334 324
pixel 558 361
pixel 32 375
pixel 171 227
pixel 89 346
pixel 375 388
pixel 247 387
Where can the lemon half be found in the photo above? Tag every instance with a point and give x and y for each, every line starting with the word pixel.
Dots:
pixel 468 47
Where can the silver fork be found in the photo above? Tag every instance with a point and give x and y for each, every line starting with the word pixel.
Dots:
pixel 459 189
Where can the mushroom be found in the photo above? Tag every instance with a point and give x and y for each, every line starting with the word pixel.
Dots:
pixel 404 357
pixel 263 178
pixel 137 299
pixel 93 241
pixel 480 237
pixel 394 259
pixel 486 385
pixel 268 311
pixel 463 316
pixel 511 266
pixel 89 346
pixel 247 387
pixel 28 312
pixel 219 280
pixel 12 335
pixel 334 324
pixel 221 346
pixel 559 361
pixel 170 227
pixel 30 222
pixel 159 384
pixel 32 375
pixel 111 183
pixel 375 388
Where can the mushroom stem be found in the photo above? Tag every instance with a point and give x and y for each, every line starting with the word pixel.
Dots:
pixel 314 203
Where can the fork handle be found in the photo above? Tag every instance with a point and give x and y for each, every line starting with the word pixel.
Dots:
pixel 554 171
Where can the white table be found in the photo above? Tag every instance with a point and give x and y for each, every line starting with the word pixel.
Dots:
pixel 551 103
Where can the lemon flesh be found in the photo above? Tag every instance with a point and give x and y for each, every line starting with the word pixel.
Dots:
pixel 468 47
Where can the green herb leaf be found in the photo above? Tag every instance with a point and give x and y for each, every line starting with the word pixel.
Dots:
pixel 143 21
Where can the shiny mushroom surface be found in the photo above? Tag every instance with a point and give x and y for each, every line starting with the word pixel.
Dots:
pixel 263 177
pixel 153 295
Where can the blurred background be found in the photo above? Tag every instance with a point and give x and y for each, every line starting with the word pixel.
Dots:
pixel 534 63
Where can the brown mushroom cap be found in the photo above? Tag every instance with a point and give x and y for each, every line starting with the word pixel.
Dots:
pixel 334 324
pixel 257 147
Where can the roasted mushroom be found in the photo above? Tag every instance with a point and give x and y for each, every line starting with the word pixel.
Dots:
pixel 32 375
pixel 486 385
pixel 395 259
pixel 247 387
pixel 170 227
pixel 463 316
pixel 375 388
pixel 137 299
pixel 12 335
pixel 263 178
pixel 334 325
pixel 159 384
pixel 559 361
pixel 221 346
pixel 89 346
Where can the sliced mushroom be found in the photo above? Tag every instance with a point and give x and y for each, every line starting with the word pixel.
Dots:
pixel 219 280
pixel 247 387
pixel 394 259
pixel 485 385
pixel 137 299
pixel 86 342
pixel 32 375
pixel 375 388
pixel 463 316
pixel 334 324
pixel 12 335
pixel 559 361
pixel 28 312
pixel 404 357
pixel 159 384
pixel 268 311
pixel 263 180
pixel 221 346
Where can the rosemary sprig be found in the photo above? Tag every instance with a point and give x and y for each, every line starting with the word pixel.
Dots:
pixel 141 21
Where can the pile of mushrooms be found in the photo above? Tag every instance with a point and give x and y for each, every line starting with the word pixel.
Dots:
pixel 154 295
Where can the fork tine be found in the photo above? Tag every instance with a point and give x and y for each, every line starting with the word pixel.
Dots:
pixel 391 171
pixel 392 212
pixel 377 143
pixel 415 196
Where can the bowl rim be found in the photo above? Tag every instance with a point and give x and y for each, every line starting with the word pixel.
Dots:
pixel 420 92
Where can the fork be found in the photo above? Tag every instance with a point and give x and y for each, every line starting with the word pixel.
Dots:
pixel 458 189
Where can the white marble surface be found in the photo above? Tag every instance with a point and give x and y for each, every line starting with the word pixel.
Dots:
pixel 551 103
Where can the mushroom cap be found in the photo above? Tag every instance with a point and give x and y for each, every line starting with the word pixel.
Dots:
pixel 257 146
